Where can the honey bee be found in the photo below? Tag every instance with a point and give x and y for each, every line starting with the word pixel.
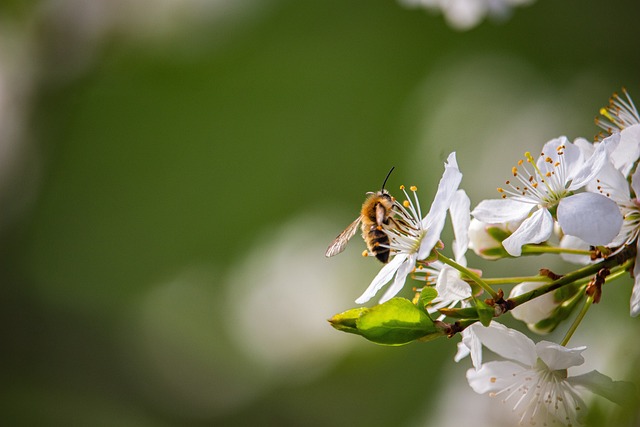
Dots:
pixel 376 213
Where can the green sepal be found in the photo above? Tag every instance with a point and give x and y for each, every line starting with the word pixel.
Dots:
pixel 499 234
pixel 427 295
pixel 485 312
pixel 560 314
pixel 460 313
pixel 495 253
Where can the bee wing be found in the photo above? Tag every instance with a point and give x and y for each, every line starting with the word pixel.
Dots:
pixel 340 242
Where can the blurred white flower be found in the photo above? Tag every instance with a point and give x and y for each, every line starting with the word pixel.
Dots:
pixel 280 296
pixel 466 14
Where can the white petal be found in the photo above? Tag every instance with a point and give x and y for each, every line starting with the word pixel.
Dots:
pixel 628 150
pixel 592 217
pixel 535 310
pixel 434 221
pixel 508 343
pixel 471 341
pixel 635 182
pixel 573 242
pixel 498 211
pixel 450 286
pixel 585 146
pixel 590 168
pixel 535 229
pixel 612 183
pixel 460 220
pixel 635 294
pixel 557 357
pixel 494 376
pixel 401 276
pixel 382 278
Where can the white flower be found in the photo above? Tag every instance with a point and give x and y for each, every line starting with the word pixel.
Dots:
pixel 533 377
pixel 415 237
pixel 559 171
pixel 448 282
pixel 466 14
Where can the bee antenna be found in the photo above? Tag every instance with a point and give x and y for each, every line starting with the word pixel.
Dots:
pixel 388 175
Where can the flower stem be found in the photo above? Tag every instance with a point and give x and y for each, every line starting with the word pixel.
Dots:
pixel 623 259
pixel 535 249
pixel 576 322
pixel 470 274
pixel 509 280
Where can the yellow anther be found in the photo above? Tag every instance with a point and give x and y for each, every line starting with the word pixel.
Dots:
pixel 365 253
pixel 605 113
pixel 556 164
pixel 548 160
pixel 413 188
pixel 406 204
pixel 402 187
pixel 548 174
pixel 520 162
pixel 514 171
pixel 500 190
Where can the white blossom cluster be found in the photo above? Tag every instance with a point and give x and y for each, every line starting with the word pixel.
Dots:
pixel 579 199
pixel 466 14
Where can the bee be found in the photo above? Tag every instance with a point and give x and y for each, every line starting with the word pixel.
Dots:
pixel 377 212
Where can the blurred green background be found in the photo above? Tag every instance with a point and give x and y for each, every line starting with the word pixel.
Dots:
pixel 171 173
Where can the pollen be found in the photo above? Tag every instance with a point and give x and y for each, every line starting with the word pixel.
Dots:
pixel 413 188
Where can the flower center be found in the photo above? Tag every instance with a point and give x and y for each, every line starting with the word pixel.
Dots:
pixel 543 184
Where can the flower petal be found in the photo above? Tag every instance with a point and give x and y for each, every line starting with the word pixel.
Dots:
pixel 450 286
pixel 498 211
pixel 590 168
pixel 628 150
pixel 505 342
pixel 535 310
pixel 494 376
pixel 434 221
pixel 635 182
pixel 557 357
pixel 401 276
pixel 535 229
pixel 382 278
pixel 594 218
pixel 573 242
pixel 635 294
pixel 460 220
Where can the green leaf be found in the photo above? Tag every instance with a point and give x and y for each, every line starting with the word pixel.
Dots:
pixel 485 312
pixel 396 322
